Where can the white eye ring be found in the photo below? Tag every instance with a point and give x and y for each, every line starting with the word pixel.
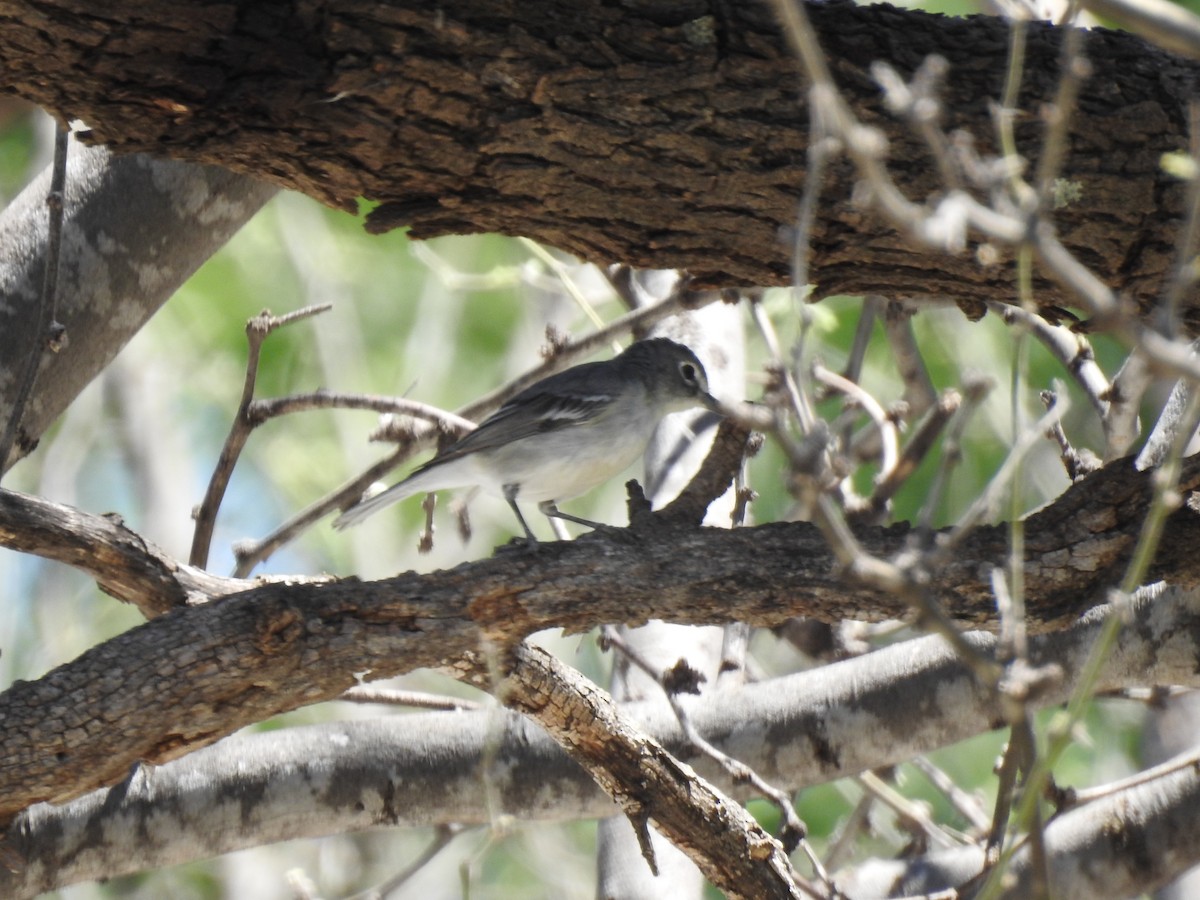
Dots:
pixel 688 371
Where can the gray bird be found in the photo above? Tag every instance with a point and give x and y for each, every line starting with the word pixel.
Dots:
pixel 563 436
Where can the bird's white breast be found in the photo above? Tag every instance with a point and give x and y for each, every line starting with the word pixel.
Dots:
pixel 557 465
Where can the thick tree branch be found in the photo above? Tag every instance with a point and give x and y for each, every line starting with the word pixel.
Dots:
pixel 196 674
pixel 1133 842
pixel 319 780
pixel 659 134
pixel 720 837
pixel 1078 547
pixel 124 564
pixel 135 229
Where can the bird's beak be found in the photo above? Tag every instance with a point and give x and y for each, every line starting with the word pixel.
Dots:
pixel 709 402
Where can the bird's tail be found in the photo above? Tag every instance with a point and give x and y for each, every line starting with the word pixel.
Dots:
pixel 355 514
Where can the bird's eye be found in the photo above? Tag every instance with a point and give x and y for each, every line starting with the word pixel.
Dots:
pixel 688 371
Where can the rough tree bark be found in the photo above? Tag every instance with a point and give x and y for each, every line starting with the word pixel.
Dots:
pixel 662 134
pixel 352 776
pixel 200 672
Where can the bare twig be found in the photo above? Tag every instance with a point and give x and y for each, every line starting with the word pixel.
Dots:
pixel 365 693
pixel 919 392
pixel 966 804
pixel 1173 418
pixel 569 284
pixel 1121 424
pixel 920 104
pixel 1166 498
pixel 1034 823
pixel 630 322
pixel 718 470
pixel 1071 350
pixel 915 450
pixel 883 422
pixel 124 564
pixel 257 330
pixel 1007 772
pixel 986 504
pixel 800 404
pixel 442 837
pixel 794 830
pixel 496 278
pixel 1185 761
pixel 912 816
pixel 974 391
pixel 428 505
pixel 1078 463
pixel 821 146
pixel 945 223
pixel 732 850
pixel 1016 689
pixel 841 845
pixel 260 411
pixel 871 308
pixel 1019 756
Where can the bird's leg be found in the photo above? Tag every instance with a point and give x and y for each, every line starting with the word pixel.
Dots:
pixel 547 507
pixel 510 494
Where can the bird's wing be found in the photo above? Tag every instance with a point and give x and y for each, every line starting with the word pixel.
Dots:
pixel 536 411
